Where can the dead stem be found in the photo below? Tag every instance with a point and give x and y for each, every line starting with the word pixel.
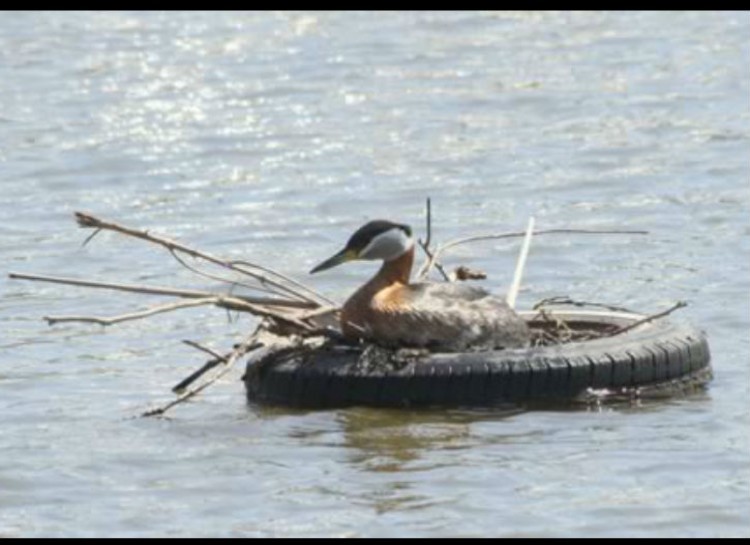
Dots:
pixel 210 364
pixel 240 350
pixel 652 317
pixel 548 329
pixel 425 245
pixel 240 264
pixel 515 286
pixel 270 277
pixel 158 290
pixel 430 262
pixel 51 320
pixel 219 278
pixel 205 349
pixel 565 300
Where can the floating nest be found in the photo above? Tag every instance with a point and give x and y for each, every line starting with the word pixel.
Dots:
pixel 573 354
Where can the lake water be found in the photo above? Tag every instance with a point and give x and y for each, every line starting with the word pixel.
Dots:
pixel 271 137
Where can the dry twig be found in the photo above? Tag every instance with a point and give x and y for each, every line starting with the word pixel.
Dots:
pixel 264 307
pixel 550 329
pixel 565 300
pixel 51 320
pixel 158 290
pixel 652 317
pixel 425 245
pixel 424 270
pixel 210 364
pixel 276 282
pixel 294 308
pixel 239 351
pixel 515 286
pixel 205 349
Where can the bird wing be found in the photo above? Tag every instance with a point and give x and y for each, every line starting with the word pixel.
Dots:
pixel 451 316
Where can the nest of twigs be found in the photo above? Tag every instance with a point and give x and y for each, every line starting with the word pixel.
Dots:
pixel 286 306
pixel 549 329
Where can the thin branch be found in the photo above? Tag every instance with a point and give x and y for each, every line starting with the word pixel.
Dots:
pixel 430 262
pixel 425 245
pixel 428 213
pixel 319 313
pixel 90 237
pixel 89 221
pixel 565 300
pixel 283 277
pixel 234 303
pixel 219 278
pixel 517 234
pixel 436 263
pixel 205 349
pixel 277 309
pixel 158 290
pixel 179 388
pixel 210 364
pixel 51 320
pixel 678 305
pixel 239 351
pixel 515 286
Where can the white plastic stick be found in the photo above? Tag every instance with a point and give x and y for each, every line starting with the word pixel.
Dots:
pixel 515 287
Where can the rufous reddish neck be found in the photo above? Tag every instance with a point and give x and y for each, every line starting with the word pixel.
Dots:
pixel 396 270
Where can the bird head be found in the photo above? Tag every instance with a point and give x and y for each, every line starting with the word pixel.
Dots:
pixel 376 240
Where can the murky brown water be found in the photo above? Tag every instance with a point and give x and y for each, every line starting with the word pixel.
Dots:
pixel 272 136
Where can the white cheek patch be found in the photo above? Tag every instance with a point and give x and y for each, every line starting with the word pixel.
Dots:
pixel 387 245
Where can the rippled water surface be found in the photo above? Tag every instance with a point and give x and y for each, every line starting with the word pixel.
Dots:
pixel 271 136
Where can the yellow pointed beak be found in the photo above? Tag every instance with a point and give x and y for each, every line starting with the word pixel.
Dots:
pixel 342 257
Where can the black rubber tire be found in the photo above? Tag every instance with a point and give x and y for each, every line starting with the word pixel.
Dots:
pixel 653 353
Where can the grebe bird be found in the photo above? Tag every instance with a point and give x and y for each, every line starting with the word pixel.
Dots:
pixel 443 316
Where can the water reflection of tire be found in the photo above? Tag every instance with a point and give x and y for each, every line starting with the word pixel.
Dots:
pixel 654 354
